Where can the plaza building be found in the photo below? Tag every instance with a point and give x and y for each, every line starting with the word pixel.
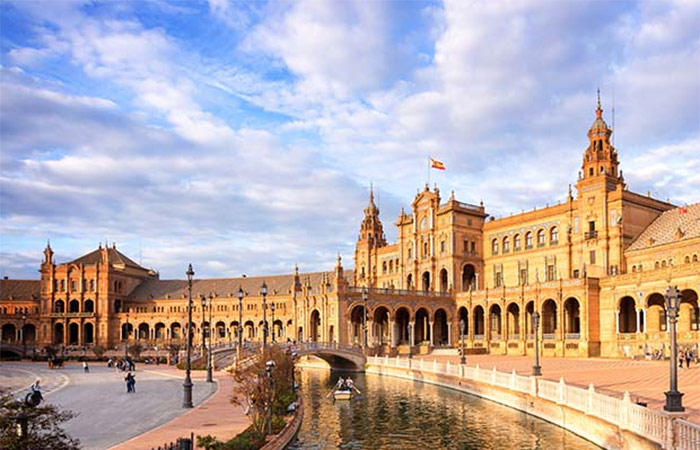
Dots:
pixel 594 266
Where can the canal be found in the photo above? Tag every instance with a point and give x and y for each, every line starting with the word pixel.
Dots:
pixel 393 413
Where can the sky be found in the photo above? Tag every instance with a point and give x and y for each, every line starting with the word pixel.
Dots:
pixel 242 136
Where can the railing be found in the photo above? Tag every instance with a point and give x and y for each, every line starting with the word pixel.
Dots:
pixel 549 336
pixel 390 291
pixel 572 336
pixel 591 234
pixel 657 426
pixel 71 314
pixel 462 205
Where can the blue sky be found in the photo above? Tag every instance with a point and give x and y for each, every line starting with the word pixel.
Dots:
pixel 243 136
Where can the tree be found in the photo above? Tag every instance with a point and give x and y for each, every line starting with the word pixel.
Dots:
pixel 261 395
pixel 135 350
pixel 43 430
pixel 98 351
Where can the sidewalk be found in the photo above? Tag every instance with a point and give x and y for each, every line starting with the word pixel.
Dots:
pixel 216 416
pixel 645 380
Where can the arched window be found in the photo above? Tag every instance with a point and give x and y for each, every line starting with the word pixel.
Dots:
pixel 528 240
pixel 516 243
pixel 494 247
pixel 695 258
pixel 506 245
pixel 383 267
pixel 554 236
pixel 687 259
pixel 540 238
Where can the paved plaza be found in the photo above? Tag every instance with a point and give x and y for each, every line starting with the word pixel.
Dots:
pixel 107 415
pixel 645 380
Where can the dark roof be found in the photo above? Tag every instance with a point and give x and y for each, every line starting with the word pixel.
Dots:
pixel 673 225
pixel 20 289
pixel 228 287
pixel 114 256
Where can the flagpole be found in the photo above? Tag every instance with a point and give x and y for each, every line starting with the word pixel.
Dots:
pixel 428 172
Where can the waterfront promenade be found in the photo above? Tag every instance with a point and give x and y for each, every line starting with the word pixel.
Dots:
pixel 646 381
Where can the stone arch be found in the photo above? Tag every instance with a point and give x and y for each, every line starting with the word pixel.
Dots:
pixel 175 330
pixel 9 333
pixel 88 333
pixel 159 330
pixel 73 333
pixel 495 322
pixel 127 330
pixel 441 330
pixel 315 326
pixel 58 333
pixel 572 316
pixel 89 306
pixel 403 319
pixel 425 280
pixel 688 313
pixel 143 331
pixel 74 306
pixel 444 280
pixel 549 316
pixel 59 306
pixel 479 323
pixel 29 333
pixel 513 321
pixel 627 315
pixel 468 277
pixel 463 314
pixel 278 330
pixel 249 328
pixel 356 314
pixel 421 327
pixel 380 322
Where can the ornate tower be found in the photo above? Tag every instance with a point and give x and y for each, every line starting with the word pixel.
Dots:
pixel 371 238
pixel 600 158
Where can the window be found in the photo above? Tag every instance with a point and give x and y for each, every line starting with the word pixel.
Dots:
pixel 92 285
pixel 516 243
pixel 540 238
pixel 497 278
pixel 528 240
pixel 442 246
pixel 494 247
pixel 474 250
pixel 63 285
pixel 592 257
pixel 383 267
pixel 523 276
pixel 551 272
pixel 466 247
pixel 73 286
pixel 590 172
pixel 553 236
pixel 576 273
pixel 391 266
pixel 410 253
pixel 425 249
pixel 506 245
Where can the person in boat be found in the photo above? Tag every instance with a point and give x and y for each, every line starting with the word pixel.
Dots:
pixel 350 383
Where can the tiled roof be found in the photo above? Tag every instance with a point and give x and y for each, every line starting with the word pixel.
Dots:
pixel 114 256
pixel 673 225
pixel 20 289
pixel 228 287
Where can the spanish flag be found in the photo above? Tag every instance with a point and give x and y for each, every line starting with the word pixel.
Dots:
pixel 435 164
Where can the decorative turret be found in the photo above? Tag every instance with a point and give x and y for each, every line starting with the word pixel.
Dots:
pixel 600 158
pixel 48 253
pixel 371 230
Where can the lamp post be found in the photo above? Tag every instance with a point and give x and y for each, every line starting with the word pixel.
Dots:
pixel 204 332
pixel 536 369
pixel 365 295
pixel 187 385
pixel 674 399
pixel 294 359
pixel 268 369
pixel 240 324
pixel 463 358
pixel 24 338
pixel 263 292
pixel 126 340
pixel 272 308
pixel 209 353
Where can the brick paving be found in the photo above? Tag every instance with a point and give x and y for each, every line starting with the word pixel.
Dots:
pixel 216 416
pixel 645 380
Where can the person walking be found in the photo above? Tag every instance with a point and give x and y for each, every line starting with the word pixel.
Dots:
pixel 681 357
pixel 688 357
pixel 86 369
pixel 130 382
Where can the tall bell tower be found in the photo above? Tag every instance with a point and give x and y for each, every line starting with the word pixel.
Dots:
pixel 371 238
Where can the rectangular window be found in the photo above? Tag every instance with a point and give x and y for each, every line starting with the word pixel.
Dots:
pixel 551 272
pixel 576 273
pixel 442 246
pixel 498 279
pixel 410 254
pixel 592 257
pixel 466 246
pixel 523 276
pixel 73 286
pixel 591 226
pixel 473 247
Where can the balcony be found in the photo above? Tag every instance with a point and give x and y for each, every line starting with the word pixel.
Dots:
pixel 69 315
pixel 591 234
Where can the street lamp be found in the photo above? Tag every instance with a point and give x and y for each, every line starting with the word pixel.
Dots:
pixel 268 369
pixel 364 317
pixel 209 353
pixel 263 292
pixel 674 399
pixel 24 337
pixel 272 308
pixel 187 385
pixel 463 358
pixel 240 324
pixel 126 340
pixel 536 369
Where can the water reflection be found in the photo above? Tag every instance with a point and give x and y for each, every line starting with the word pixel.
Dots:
pixel 400 414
